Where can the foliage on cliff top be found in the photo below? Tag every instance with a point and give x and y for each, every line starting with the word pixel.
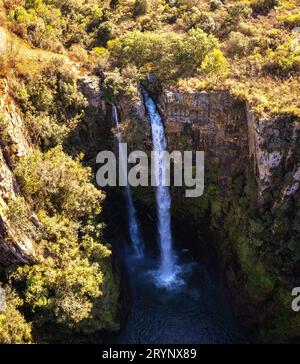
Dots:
pixel 256 36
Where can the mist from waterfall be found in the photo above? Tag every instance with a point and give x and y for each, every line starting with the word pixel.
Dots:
pixel 133 223
pixel 167 270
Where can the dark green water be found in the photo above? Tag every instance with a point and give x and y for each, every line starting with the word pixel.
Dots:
pixel 196 310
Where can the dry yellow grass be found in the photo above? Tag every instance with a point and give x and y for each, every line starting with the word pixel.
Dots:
pixel 23 58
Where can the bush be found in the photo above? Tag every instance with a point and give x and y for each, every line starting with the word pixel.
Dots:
pixel 284 60
pixel 167 54
pixel 263 6
pixel 63 287
pixel 238 11
pixel 215 65
pixel 52 104
pixel 207 23
pixel 215 4
pixel 104 33
pixel 13 327
pixel 291 21
pixel 141 7
pixel 120 83
pixel 238 44
pixel 74 272
pixel 56 24
pixel 55 181
pixel 20 219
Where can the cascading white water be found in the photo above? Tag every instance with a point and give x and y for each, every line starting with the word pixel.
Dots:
pixel 167 271
pixel 134 229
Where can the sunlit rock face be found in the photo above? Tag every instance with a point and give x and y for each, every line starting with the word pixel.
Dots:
pixel 211 121
pixel 234 138
pixel 90 87
pixel 274 152
pixel 14 145
pixel 3 40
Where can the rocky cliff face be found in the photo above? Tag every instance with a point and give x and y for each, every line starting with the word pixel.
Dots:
pixel 93 134
pixel 274 153
pixel 235 139
pixel 14 144
pixel 214 122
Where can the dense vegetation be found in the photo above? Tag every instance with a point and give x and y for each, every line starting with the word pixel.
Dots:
pixel 256 37
pixel 72 286
pixel 248 47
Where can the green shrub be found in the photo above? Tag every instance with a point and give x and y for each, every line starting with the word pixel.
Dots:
pixel 141 7
pixel 52 104
pixel 69 282
pixel 104 33
pixel 55 181
pixel 57 24
pixel 284 60
pixel 215 4
pixel 207 23
pixel 291 21
pixel 19 217
pixel 13 327
pixel 72 284
pixel 63 287
pixel 263 6
pixel 238 44
pixel 119 83
pixel 168 54
pixel 215 65
pixel 238 11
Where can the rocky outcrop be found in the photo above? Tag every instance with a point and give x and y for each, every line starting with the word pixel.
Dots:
pixel 90 87
pixel 93 133
pixel 272 149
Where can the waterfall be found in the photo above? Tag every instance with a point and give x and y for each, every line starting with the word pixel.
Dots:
pixel 134 228
pixel 167 269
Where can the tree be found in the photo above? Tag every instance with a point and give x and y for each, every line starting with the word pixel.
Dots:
pixel 58 183
pixel 141 7
pixel 13 327
pixel 167 54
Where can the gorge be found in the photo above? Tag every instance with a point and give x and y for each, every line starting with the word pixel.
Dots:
pixel 85 262
pixel 182 300
pixel 194 279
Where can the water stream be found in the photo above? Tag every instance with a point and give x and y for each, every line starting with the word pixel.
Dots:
pixel 133 223
pixel 168 269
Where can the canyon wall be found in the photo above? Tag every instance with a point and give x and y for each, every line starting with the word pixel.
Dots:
pixel 234 139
